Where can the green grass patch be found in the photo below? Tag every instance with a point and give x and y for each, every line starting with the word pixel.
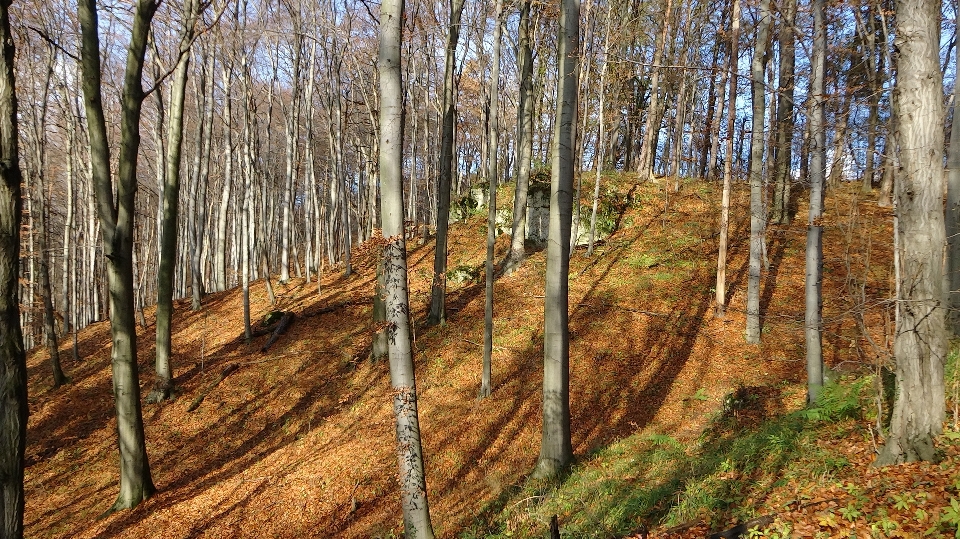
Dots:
pixel 654 479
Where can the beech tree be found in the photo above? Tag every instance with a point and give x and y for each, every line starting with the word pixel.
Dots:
pixel 116 215
pixel 438 292
pixel 13 360
pixel 814 253
pixel 493 173
pixel 556 449
pixel 920 344
pixel 170 208
pixel 758 216
pixel 413 486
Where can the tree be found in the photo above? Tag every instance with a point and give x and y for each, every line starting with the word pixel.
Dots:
pixel 13 360
pixel 721 288
pixel 170 208
pixel 438 292
pixel 814 260
pixel 920 344
pixel 556 450
pixel 493 173
pixel 600 133
pixel 413 485
pixel 784 122
pixel 116 220
pixel 757 214
pixel 952 214
pixel 518 231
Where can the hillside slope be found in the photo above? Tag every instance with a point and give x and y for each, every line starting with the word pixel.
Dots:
pixel 298 442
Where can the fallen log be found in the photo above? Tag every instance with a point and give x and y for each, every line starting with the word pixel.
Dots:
pixel 230 369
pixel 282 327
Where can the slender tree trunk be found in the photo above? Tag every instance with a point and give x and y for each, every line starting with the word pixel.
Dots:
pixel 784 135
pixel 13 360
pixel 600 133
pixel 493 176
pixel 438 289
pixel 920 345
pixel 518 231
pixel 219 253
pixel 116 219
pixel 651 127
pixel 721 288
pixel 198 218
pixel 814 258
pixel 757 214
pixel 556 451
pixel 952 215
pixel 413 485
pixel 171 213
pixel 46 293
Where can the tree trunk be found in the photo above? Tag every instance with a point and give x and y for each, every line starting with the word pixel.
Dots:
pixel 814 258
pixel 220 249
pixel 598 161
pixel 413 485
pixel 920 345
pixel 171 211
pixel 493 175
pixel 116 221
pixel 518 232
pixel 721 288
pixel 757 214
pixel 556 451
pixel 438 290
pixel 782 148
pixel 13 360
pixel 952 215
pixel 651 127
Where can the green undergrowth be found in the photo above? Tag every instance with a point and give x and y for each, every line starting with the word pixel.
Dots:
pixel 655 480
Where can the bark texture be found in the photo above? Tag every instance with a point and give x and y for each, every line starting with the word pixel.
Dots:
pixel 814 255
pixel 116 216
pixel 758 215
pixel 13 361
pixel 438 308
pixel 920 345
pixel 413 485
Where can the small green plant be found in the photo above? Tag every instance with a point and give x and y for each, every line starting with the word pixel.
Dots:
pixel 700 395
pixel 951 516
pixel 903 502
pixel 851 512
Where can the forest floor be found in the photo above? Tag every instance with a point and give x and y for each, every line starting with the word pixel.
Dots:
pixel 678 426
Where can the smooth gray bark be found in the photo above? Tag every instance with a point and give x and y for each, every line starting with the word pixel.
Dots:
pixel 556 450
pixel 170 210
pixel 413 485
pixel 116 217
pixel 493 174
pixel 813 325
pixel 757 214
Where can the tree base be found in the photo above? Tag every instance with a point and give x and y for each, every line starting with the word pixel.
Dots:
pixel 901 451
pixel 162 391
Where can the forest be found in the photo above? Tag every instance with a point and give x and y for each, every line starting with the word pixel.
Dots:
pixel 665 268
